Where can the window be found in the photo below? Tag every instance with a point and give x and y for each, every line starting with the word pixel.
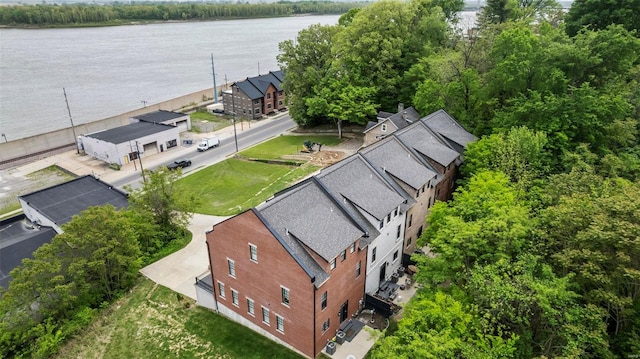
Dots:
pixel 234 297
pixel 343 256
pixel 358 268
pixel 280 93
pixel 250 307
pixel 418 194
pixel 285 295
pixel 383 128
pixel 410 219
pixel 409 241
pixel 353 247
pixel 395 255
pixel 389 218
pixel 373 254
pixel 395 212
pixel 419 231
pixel 398 234
pixel 438 192
pixel 265 315
pixel 381 224
pixel 221 290
pixel 280 103
pixel 423 189
pixel 280 323
pixel 323 299
pixel 268 105
pixel 253 252
pixel 232 267
pixel 249 111
pixel 429 204
pixel 333 264
pixel 268 94
pixel 325 326
pixel 172 143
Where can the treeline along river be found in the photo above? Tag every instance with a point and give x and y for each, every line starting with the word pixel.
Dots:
pixel 107 71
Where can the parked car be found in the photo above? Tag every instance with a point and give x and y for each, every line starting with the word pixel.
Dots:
pixel 180 163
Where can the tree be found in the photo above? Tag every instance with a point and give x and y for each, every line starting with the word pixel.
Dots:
pixel 169 208
pixel 501 11
pixel 94 260
pixel 436 325
pixel 305 63
pixel 485 221
pixel 598 14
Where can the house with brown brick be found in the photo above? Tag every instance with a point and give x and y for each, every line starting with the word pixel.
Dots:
pixel 256 96
pixel 292 269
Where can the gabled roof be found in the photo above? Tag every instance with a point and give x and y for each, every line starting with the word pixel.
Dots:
pixel 445 125
pixel 353 180
pixel 159 116
pixel 130 132
pixel 423 140
pixel 256 87
pixel 61 202
pixel 398 120
pixel 392 157
pixel 307 216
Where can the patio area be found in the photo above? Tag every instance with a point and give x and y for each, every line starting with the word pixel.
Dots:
pixel 362 331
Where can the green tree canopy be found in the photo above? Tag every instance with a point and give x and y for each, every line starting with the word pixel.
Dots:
pixel 598 14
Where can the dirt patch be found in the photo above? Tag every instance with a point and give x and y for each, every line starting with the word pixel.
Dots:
pixel 326 158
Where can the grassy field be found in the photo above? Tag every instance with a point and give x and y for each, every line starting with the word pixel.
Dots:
pixel 234 185
pixel 208 122
pixel 152 322
pixel 286 145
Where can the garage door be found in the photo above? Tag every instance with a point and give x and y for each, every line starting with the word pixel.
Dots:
pixel 150 148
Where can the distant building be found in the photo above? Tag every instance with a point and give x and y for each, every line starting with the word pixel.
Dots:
pixel 255 97
pixel 124 144
pixel 180 120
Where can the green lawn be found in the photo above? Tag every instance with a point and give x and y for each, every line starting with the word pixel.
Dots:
pixel 286 145
pixel 152 322
pixel 214 122
pixel 234 185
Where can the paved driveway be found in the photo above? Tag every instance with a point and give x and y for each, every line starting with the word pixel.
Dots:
pixel 179 270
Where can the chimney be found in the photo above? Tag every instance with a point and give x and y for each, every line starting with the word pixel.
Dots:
pixel 400 107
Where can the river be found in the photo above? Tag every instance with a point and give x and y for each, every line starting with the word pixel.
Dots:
pixel 107 71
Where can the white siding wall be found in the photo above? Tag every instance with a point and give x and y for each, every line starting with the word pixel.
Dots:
pixel 37 217
pixel 386 244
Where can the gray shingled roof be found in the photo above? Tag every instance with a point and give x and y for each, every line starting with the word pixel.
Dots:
pixel 159 116
pixel 404 118
pixel 61 202
pixel 308 214
pixel 256 87
pixel 17 242
pixel 442 123
pixel 353 179
pixel 422 139
pixel 393 158
pixel 130 132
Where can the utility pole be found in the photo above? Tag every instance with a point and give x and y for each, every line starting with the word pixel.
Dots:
pixel 226 82
pixel 233 101
pixel 135 167
pixel 75 138
pixel 258 68
pixel 140 159
pixel 215 88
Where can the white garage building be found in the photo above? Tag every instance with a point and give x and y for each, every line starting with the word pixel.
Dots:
pixel 181 120
pixel 122 145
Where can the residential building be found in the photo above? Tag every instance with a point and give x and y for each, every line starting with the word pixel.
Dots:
pixel 255 97
pixel 290 269
pixel 389 123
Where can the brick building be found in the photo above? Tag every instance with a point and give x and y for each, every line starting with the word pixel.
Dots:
pixel 255 97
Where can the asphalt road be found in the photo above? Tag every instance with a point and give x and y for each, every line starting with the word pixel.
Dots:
pixel 246 138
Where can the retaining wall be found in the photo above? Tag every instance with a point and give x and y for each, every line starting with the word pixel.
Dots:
pixel 30 146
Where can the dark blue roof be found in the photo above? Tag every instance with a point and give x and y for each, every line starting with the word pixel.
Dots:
pixel 256 87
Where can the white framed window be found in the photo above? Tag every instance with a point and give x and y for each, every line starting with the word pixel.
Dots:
pixel 373 254
pixel 232 267
pixel 221 290
pixel 396 254
pixel 250 307
pixel 234 297
pixel 280 324
pixel 253 252
pixel 381 224
pixel 265 315
pixel 343 255
pixel 285 295
pixel 326 325
pixel 398 232
pixel 358 268
pixel 353 247
pixel 383 127
pixel 389 218
pixel 333 264
pixel 323 300
pixel 395 212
